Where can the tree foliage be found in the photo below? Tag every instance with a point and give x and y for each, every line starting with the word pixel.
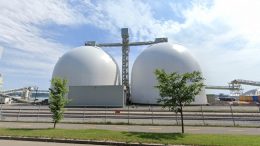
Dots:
pixel 177 90
pixel 57 100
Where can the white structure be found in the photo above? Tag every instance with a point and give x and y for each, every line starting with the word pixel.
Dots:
pixel 93 77
pixel 171 58
pixel 253 92
pixel 87 66
pixel 5 100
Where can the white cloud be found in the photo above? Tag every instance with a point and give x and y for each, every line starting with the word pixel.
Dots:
pixel 225 38
pixel 40 12
pixel 137 15
pixel 224 35
pixel 26 48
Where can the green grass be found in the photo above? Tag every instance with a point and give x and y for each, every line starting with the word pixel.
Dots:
pixel 140 124
pixel 137 137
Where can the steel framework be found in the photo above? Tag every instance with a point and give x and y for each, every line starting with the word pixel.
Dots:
pixel 125 44
pixel 245 82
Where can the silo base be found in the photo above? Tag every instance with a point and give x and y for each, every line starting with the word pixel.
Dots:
pixel 96 96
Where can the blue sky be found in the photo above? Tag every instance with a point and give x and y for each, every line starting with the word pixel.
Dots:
pixel 223 35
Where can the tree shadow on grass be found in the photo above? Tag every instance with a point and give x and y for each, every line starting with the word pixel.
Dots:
pixel 155 136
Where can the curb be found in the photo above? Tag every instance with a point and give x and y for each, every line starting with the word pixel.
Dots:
pixel 75 141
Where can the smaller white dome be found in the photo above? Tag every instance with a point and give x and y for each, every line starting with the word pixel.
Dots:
pixel 87 66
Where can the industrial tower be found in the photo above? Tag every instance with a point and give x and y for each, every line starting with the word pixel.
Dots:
pixel 125 44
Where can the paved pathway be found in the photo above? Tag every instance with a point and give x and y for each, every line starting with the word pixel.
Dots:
pixel 32 143
pixel 137 128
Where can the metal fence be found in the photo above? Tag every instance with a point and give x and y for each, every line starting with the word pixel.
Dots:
pixel 152 115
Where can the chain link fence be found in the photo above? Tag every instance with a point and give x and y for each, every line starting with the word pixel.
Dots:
pixel 147 115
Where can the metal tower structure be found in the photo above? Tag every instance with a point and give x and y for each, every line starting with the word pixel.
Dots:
pixel 245 82
pixel 235 86
pixel 125 61
pixel 239 82
pixel 231 88
pixel 235 89
pixel 125 44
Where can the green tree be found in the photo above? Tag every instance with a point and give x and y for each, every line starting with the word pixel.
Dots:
pixel 176 90
pixel 57 99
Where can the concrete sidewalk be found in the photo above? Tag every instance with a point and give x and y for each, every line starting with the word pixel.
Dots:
pixel 34 143
pixel 138 128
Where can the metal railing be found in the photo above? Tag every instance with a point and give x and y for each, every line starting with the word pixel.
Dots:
pixel 152 115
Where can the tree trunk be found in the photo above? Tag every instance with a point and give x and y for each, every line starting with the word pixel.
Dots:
pixel 182 125
pixel 54 125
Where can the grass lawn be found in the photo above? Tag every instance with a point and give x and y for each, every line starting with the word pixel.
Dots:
pixel 139 137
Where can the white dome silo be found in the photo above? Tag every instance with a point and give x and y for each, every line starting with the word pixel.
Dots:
pixel 171 58
pixel 87 66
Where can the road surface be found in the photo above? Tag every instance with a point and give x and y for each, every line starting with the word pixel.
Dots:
pixel 32 143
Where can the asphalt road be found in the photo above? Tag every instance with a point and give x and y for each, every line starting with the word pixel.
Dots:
pixel 32 143
pixel 138 128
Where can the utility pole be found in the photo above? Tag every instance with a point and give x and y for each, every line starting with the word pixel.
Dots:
pixel 125 44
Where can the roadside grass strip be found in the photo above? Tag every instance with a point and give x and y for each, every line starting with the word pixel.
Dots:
pixel 136 137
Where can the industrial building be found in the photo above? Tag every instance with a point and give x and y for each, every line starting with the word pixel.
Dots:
pixel 94 76
pixel 253 92
pixel 251 96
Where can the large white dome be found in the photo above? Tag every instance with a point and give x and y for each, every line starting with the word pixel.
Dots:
pixel 87 66
pixel 171 58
